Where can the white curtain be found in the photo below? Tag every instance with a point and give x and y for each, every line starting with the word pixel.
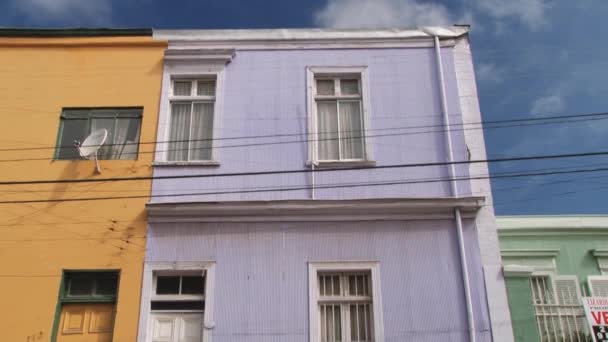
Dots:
pixel 327 130
pixel 351 132
pixel 202 131
pixel 179 132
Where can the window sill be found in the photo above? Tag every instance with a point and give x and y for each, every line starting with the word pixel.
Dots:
pixel 343 164
pixel 212 163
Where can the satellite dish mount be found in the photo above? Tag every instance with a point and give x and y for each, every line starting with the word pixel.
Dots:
pixel 91 145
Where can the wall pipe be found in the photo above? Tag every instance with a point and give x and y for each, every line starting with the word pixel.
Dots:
pixel 454 190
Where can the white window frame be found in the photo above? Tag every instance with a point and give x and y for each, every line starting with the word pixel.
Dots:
pixel 373 267
pixel 151 270
pixel 218 99
pixel 312 73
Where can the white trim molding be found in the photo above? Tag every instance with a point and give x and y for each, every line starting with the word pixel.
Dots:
pixel 555 225
pixel 344 266
pixel 152 268
pixel 518 271
pixel 602 259
pixel 529 253
pixel 362 73
pixel 273 39
pixel 191 64
pixel 314 210
pixel 485 222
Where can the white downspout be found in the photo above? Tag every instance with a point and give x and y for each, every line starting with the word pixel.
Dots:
pixel 454 188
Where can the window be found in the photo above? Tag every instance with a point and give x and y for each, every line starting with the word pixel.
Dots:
pixel 338 124
pixel 177 303
pixel 123 126
pixel 191 120
pixel 86 305
pixel 558 308
pixel 345 303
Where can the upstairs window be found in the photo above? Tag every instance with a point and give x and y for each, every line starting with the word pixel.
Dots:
pixel 340 131
pixel 123 126
pixel 191 120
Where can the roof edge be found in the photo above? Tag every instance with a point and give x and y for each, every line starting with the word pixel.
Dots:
pixel 73 32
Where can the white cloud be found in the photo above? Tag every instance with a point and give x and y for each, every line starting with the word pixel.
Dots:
pixel 381 13
pixel 530 12
pixel 488 73
pixel 81 12
pixel 551 104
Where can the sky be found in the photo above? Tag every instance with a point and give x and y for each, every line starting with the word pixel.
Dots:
pixel 533 58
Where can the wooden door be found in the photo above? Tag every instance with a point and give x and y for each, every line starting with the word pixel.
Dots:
pixel 86 322
pixel 177 327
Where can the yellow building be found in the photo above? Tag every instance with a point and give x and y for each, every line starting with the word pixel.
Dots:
pixel 70 269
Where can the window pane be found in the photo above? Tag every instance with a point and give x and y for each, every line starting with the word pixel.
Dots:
pixel 202 132
pixel 349 87
pixel 205 88
pixel 71 130
pixel 179 132
pixel 81 286
pixel 177 305
pixel 192 285
pixel 327 129
pixel 325 87
pixel 331 328
pixel 182 88
pixel 106 286
pixel 351 130
pixel 126 138
pixel 167 285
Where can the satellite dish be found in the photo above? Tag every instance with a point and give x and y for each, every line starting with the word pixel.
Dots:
pixel 89 147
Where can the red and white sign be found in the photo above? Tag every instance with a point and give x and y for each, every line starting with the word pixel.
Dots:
pixel 596 311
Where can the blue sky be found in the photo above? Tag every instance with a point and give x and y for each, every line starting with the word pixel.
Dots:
pixel 533 58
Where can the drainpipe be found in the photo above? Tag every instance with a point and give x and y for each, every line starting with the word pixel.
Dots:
pixel 454 189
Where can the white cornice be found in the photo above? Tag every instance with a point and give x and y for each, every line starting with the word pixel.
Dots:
pixel 314 210
pixel 199 54
pixel 529 252
pixel 600 253
pixel 309 34
pixel 552 222
pixel 310 38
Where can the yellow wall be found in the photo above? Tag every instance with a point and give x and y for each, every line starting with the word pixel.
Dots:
pixel 40 76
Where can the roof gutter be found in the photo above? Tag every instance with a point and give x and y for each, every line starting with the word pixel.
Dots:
pixel 74 32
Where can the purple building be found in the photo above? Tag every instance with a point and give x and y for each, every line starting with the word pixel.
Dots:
pixel 304 191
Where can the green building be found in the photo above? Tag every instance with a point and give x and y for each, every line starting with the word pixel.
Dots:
pixel 550 262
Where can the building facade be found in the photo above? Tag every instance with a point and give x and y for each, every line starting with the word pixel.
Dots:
pixel 303 191
pixel 72 268
pixel 550 263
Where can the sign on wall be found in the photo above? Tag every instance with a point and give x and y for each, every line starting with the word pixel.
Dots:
pixel 596 311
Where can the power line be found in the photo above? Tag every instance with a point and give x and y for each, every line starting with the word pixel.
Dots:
pixel 318 170
pixel 327 139
pixel 487 122
pixel 309 187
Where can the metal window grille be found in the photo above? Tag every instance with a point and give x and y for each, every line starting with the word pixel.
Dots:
pixel 558 308
pixel 345 307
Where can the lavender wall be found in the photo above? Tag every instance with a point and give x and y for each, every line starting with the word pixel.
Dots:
pixel 262 277
pixel 265 94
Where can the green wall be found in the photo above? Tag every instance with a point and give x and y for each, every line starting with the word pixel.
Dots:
pixel 522 312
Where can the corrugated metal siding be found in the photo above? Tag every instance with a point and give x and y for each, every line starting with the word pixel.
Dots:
pixel 265 94
pixel 262 283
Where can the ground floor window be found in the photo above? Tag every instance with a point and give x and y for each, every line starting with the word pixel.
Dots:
pixel 558 308
pixel 345 303
pixel 86 307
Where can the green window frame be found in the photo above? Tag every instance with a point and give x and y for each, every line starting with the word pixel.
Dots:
pixel 122 123
pixel 96 277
